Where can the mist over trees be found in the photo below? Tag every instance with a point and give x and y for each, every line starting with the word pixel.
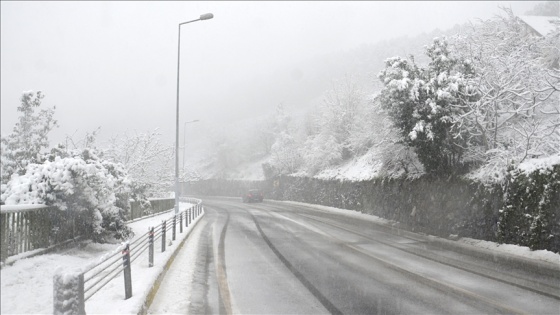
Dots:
pixel 546 8
pixel 479 99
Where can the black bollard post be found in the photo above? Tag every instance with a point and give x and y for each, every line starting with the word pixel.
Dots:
pixel 181 222
pixel 127 273
pixel 151 250
pixel 163 230
pixel 174 226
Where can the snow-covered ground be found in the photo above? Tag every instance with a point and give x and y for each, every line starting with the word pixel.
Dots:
pixel 177 278
pixel 27 285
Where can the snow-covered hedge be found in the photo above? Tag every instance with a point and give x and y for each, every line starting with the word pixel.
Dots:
pixel 525 210
pixel 94 191
pixel 531 212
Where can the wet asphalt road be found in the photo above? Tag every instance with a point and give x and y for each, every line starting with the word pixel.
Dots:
pixel 285 258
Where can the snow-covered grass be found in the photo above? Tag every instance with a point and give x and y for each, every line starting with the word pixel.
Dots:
pixel 27 285
pixel 361 168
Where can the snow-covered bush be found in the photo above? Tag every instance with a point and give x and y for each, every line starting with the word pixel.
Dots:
pixel 375 131
pixel 531 212
pixel 94 192
pixel 399 161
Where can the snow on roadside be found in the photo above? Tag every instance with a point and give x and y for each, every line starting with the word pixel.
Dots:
pixel 173 296
pixel 27 285
pixel 522 251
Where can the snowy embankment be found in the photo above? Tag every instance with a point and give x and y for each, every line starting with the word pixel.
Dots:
pixel 27 285
pixel 362 168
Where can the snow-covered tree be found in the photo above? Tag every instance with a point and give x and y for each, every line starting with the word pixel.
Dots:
pixel 517 115
pixel 29 137
pixel 375 132
pixel 94 191
pixel 425 102
pixel 74 142
pixel 285 156
pixel 265 135
pixel 331 126
pixel 147 161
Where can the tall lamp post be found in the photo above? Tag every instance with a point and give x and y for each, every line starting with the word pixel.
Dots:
pixel 206 16
pixel 184 140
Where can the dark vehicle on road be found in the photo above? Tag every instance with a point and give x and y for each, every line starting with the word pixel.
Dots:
pixel 253 195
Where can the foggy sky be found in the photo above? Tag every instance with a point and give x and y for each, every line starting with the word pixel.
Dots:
pixel 113 64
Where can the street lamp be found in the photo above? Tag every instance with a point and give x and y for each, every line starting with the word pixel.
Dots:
pixel 184 140
pixel 206 16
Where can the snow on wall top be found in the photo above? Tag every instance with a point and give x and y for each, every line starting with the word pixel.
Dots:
pixel 543 163
pixel 21 208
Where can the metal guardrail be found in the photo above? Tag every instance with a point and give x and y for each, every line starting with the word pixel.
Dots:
pixel 72 290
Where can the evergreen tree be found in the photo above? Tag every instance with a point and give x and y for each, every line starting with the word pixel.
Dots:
pixel 30 135
pixel 424 103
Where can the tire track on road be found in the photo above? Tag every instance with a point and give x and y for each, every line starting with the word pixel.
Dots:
pixel 316 293
pixel 444 287
pixel 221 272
pixel 521 283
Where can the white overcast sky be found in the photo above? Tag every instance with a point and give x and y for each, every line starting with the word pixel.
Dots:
pixel 113 64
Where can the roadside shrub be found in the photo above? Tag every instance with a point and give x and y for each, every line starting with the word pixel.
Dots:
pixel 95 192
pixel 531 210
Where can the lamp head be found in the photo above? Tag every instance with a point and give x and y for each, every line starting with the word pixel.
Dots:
pixel 206 16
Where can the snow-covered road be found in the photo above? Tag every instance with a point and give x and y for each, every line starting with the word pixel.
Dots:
pixel 289 258
pixel 293 258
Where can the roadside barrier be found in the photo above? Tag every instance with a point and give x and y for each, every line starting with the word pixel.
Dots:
pixel 73 289
pixel 25 228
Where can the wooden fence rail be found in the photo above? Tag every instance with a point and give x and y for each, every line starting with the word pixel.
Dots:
pixel 27 228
